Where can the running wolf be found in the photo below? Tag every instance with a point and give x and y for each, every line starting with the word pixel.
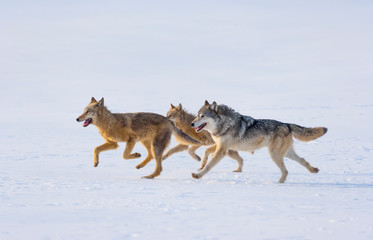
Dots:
pixel 182 120
pixel 152 130
pixel 231 130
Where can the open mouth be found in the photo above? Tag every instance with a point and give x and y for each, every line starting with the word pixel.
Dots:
pixel 87 122
pixel 199 128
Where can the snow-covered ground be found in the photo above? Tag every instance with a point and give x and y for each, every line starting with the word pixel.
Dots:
pixel 306 63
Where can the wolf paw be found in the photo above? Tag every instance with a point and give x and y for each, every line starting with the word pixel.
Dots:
pixel 315 170
pixel 95 164
pixel 139 166
pixel 238 170
pixel 148 177
pixel 196 176
pixel 281 180
pixel 137 155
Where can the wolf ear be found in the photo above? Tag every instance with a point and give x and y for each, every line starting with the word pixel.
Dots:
pixel 206 103
pixel 172 106
pixel 214 107
pixel 93 100
pixel 180 107
pixel 101 102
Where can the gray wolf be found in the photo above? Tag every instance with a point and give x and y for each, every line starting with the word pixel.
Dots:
pixel 231 130
pixel 152 130
pixel 182 120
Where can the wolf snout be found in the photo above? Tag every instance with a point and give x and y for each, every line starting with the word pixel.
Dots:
pixel 192 124
pixel 77 119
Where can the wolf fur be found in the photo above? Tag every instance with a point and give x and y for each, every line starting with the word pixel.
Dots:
pixel 152 130
pixel 231 130
pixel 182 120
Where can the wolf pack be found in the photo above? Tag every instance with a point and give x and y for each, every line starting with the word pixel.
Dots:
pixel 217 126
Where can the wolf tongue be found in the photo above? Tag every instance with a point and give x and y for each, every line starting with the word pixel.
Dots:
pixel 86 123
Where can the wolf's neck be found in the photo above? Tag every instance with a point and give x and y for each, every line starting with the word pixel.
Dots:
pixel 105 118
pixel 223 126
pixel 185 120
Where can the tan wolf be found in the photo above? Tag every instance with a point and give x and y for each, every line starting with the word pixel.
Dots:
pixel 152 130
pixel 182 120
pixel 231 130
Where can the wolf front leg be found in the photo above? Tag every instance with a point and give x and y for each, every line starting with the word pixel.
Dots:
pixel 178 148
pixel 192 152
pixel 218 155
pixel 127 151
pixel 206 154
pixel 104 147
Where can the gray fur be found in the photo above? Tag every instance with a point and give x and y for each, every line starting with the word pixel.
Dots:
pixel 228 120
pixel 231 130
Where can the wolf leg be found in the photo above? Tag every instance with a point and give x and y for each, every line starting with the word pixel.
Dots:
pixel 178 148
pixel 104 147
pixel 234 154
pixel 127 151
pixel 218 155
pixel 291 154
pixel 278 159
pixel 206 154
pixel 192 153
pixel 149 157
pixel 158 146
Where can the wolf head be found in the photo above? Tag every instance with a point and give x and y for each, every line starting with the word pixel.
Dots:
pixel 207 117
pixel 91 112
pixel 175 113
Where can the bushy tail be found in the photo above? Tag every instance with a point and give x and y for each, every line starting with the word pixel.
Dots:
pixel 307 134
pixel 182 137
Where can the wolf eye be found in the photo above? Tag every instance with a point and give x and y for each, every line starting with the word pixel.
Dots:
pixel 87 111
pixel 202 116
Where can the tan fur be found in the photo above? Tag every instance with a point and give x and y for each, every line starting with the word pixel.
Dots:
pixel 182 120
pixel 152 130
pixel 307 134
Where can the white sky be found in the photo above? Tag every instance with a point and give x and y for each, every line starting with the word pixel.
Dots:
pixel 217 50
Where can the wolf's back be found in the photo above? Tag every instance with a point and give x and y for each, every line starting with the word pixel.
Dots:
pixel 307 134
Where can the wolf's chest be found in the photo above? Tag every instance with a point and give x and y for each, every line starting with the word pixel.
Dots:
pixel 113 135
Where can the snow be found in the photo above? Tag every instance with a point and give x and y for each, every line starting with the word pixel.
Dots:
pixel 308 63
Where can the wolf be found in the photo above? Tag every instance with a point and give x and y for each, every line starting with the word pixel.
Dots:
pixel 182 120
pixel 152 130
pixel 231 130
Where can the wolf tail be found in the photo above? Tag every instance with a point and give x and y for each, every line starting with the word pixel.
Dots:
pixel 182 137
pixel 307 134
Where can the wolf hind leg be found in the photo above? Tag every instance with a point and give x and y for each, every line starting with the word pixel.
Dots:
pixel 291 154
pixel 104 147
pixel 127 151
pixel 234 154
pixel 206 154
pixel 149 157
pixel 218 155
pixel 178 148
pixel 192 153
pixel 278 159
pixel 158 146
